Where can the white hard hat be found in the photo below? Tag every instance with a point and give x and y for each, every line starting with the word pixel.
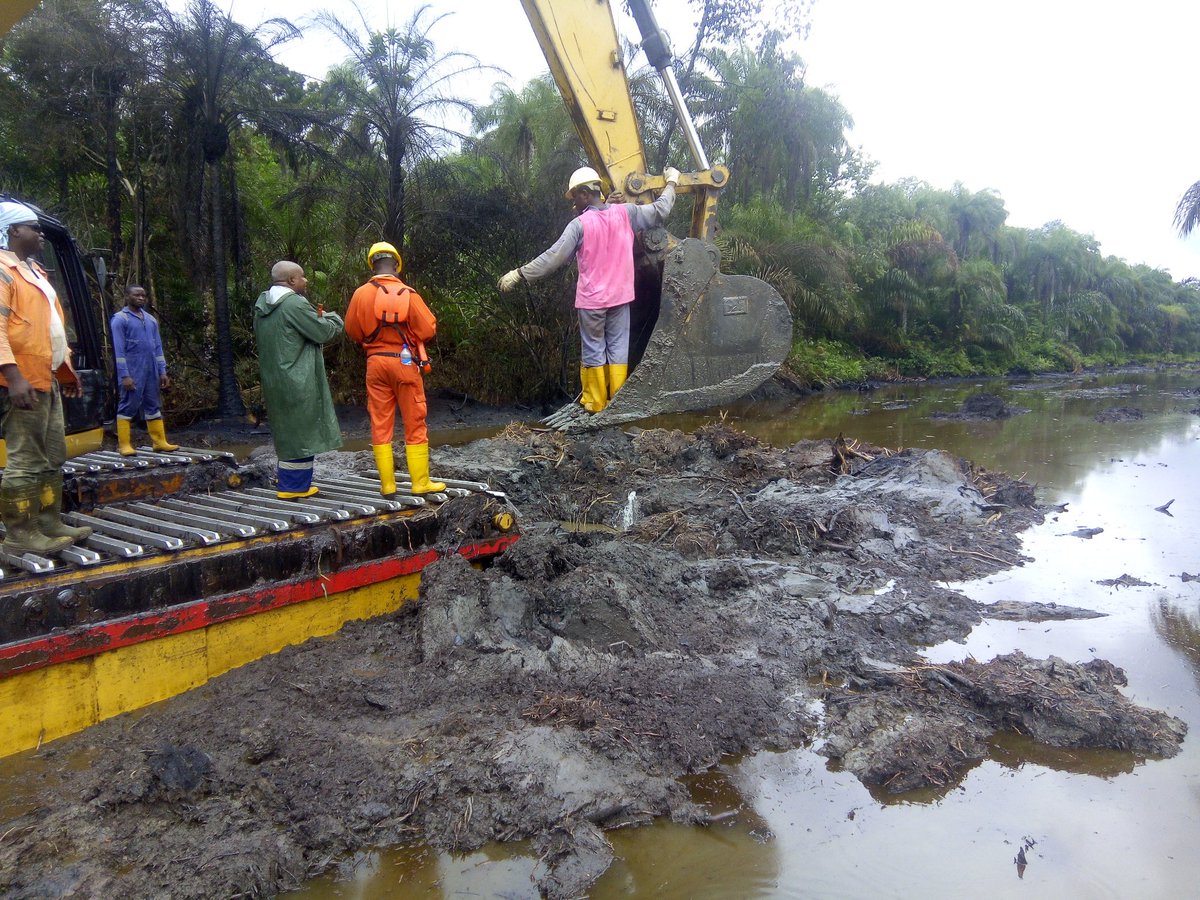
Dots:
pixel 587 176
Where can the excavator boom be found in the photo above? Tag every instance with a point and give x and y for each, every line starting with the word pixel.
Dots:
pixel 12 11
pixel 699 338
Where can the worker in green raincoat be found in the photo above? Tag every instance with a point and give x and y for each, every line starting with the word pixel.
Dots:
pixel 290 331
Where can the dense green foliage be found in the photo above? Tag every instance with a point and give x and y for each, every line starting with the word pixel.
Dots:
pixel 175 141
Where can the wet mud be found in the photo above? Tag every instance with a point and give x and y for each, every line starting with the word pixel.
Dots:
pixel 674 599
pixel 982 408
pixel 1120 414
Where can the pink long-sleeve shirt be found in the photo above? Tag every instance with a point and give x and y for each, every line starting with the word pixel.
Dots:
pixel 601 239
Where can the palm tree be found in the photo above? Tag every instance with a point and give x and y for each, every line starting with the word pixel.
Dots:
pixel 75 62
pixel 1174 315
pixel 796 256
pixel 971 221
pixel 1055 264
pixel 394 94
pixel 218 75
pixel 986 318
pixel 1187 213
pixel 975 220
pixel 784 140
pixel 917 257
pixel 530 135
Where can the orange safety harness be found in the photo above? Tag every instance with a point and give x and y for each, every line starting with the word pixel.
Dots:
pixel 394 311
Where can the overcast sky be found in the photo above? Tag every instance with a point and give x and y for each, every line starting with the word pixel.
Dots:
pixel 1078 110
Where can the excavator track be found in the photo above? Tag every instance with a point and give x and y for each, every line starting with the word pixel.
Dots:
pixel 171 592
pixel 172 524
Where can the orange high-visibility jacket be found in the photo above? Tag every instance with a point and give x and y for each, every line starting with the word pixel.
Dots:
pixel 25 326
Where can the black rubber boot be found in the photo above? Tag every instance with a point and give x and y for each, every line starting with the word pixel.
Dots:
pixel 18 509
pixel 49 520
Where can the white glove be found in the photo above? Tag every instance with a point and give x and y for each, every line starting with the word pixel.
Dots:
pixel 671 174
pixel 509 280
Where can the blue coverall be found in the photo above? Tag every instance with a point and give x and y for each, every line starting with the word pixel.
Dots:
pixel 139 352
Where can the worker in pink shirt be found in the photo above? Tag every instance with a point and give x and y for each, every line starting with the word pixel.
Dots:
pixel 601 238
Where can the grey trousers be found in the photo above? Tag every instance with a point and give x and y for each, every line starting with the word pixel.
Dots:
pixel 35 439
pixel 604 334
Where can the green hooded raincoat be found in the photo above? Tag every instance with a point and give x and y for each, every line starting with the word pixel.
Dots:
pixel 289 334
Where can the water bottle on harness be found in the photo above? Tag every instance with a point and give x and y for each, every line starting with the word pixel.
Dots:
pixel 398 307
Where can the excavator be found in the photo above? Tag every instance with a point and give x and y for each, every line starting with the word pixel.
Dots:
pixel 699 337
pixel 194 567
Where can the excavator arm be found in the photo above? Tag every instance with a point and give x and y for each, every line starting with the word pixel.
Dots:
pixel 581 46
pixel 12 11
pixel 700 338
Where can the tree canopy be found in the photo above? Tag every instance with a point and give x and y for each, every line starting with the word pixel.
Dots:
pixel 175 143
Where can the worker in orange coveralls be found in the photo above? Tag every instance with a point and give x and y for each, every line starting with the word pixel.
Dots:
pixel 391 322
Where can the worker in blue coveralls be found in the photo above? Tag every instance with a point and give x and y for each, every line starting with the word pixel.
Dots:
pixel 141 371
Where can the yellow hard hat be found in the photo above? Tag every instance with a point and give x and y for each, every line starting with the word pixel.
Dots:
pixel 379 249
pixel 587 176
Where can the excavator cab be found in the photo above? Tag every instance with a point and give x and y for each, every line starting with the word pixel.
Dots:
pixel 699 337
pixel 94 476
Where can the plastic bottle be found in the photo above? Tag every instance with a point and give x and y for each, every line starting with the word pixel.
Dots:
pixel 405 355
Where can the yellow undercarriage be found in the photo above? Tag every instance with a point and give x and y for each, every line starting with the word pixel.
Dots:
pixel 77 444
pixel 48 703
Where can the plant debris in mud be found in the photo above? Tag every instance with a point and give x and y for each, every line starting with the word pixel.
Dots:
pixel 1125 580
pixel 925 726
pixel 1022 611
pixel 564 690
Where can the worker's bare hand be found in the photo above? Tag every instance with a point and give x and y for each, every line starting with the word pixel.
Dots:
pixel 164 381
pixel 20 392
pixel 128 383
pixel 72 389
pixel 509 280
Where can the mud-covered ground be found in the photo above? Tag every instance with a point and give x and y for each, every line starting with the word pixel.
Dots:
pixel 674 599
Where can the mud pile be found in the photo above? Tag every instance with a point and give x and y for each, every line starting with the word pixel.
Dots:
pixel 982 407
pixel 674 599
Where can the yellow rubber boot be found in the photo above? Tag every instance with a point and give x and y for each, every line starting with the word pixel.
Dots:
pixel 297 495
pixel 617 373
pixel 158 436
pixel 595 388
pixel 385 462
pixel 124 444
pixel 418 469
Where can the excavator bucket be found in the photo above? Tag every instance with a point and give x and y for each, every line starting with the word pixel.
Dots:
pixel 700 338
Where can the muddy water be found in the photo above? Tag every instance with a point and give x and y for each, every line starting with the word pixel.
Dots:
pixel 1089 824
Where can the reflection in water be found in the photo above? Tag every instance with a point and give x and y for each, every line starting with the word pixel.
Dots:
pixel 1016 750
pixel 412 873
pixel 23 775
pixel 1179 626
pixel 735 856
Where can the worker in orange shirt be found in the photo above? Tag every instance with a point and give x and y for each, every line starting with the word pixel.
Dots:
pixel 35 375
pixel 391 322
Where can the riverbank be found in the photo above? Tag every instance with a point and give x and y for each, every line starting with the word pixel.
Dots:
pixel 675 598
pixel 820 363
pixel 450 412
